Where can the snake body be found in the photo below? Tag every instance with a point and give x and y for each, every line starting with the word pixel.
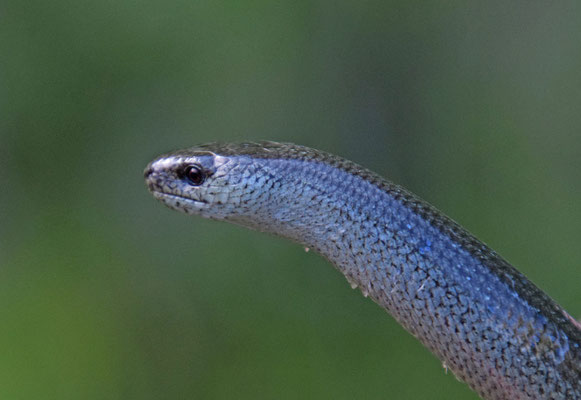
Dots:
pixel 492 327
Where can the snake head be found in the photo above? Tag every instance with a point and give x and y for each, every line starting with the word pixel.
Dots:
pixel 205 181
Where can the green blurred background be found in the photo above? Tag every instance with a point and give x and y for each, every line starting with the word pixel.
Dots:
pixel 106 294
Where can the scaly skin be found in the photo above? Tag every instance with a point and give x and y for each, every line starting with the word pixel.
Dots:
pixel 485 320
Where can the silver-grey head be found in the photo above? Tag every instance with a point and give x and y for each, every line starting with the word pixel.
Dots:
pixel 198 180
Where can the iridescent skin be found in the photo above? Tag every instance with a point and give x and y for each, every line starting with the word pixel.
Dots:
pixel 486 321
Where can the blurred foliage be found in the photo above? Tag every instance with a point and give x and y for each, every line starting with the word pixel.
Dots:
pixel 107 294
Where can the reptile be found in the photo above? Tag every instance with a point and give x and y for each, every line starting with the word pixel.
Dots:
pixel 487 323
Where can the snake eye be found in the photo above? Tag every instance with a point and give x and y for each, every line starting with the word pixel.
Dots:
pixel 194 174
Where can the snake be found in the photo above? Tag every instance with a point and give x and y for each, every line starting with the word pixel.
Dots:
pixel 487 323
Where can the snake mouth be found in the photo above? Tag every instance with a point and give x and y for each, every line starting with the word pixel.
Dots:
pixel 180 203
pixel 176 197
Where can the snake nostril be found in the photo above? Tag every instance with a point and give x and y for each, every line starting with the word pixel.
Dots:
pixel 148 171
